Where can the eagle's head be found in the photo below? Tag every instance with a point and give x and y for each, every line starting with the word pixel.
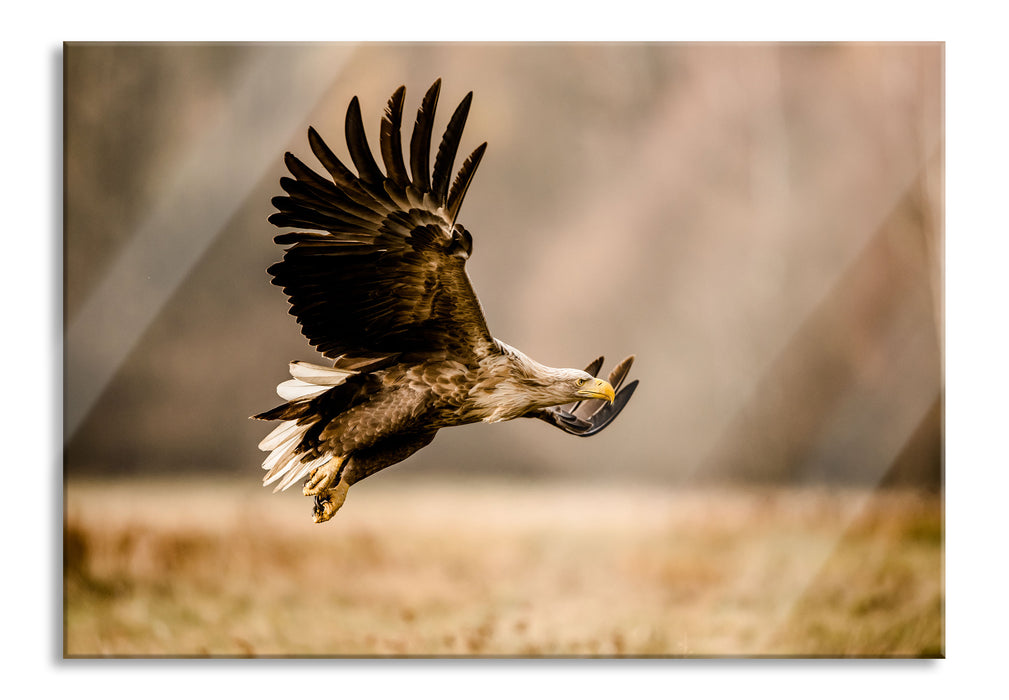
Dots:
pixel 548 386
pixel 578 385
pixel 521 385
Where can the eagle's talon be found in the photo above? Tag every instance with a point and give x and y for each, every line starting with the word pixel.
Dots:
pixel 326 504
pixel 319 509
pixel 321 478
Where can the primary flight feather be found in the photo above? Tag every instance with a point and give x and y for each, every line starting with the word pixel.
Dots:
pixel 376 278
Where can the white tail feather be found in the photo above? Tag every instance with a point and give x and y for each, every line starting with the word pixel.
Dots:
pixel 319 375
pixel 276 460
pixel 280 470
pixel 297 390
pixel 283 462
pixel 298 471
pixel 281 433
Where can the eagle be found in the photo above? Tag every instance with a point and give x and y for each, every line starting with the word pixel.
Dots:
pixel 375 274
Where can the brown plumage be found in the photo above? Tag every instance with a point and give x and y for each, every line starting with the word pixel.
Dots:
pixel 376 277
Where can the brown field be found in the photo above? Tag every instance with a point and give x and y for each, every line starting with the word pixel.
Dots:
pixel 448 569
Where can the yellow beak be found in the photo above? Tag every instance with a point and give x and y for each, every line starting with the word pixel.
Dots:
pixel 596 389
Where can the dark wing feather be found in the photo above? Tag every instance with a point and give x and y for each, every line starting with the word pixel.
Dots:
pixel 462 181
pixel 446 151
pixel 608 413
pixel 367 169
pixel 585 418
pixel 420 142
pixel 381 268
pixel 392 146
pixel 340 173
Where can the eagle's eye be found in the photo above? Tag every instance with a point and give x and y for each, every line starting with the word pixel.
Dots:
pixel 580 382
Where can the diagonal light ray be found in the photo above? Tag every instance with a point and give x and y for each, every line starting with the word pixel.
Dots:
pixel 268 101
pixel 905 335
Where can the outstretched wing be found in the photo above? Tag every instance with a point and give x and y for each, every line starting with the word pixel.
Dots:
pixel 585 418
pixel 382 266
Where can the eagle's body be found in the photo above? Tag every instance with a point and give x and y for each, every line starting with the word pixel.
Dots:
pixel 379 286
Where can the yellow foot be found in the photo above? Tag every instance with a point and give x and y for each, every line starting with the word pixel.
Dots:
pixel 328 503
pixel 322 477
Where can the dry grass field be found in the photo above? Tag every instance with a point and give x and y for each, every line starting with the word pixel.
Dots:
pixel 223 568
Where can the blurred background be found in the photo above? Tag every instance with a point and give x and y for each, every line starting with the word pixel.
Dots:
pixel 768 219
pixel 760 224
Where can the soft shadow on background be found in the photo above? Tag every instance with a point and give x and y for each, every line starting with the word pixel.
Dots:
pixel 760 224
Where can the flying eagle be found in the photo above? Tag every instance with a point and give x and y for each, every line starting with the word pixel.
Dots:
pixel 376 278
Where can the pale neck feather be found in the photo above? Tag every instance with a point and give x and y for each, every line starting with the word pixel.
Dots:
pixel 516 384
